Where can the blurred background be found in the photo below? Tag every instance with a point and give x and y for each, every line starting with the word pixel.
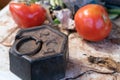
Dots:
pixel 3 3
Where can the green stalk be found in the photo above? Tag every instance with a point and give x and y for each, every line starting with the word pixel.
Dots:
pixel 61 3
pixel 33 1
pixel 52 2
pixel 114 11
pixel 55 3
pixel 28 1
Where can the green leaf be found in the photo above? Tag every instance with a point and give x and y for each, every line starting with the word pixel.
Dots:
pixel 56 21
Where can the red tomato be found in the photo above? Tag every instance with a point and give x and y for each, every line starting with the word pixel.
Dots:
pixel 92 22
pixel 27 15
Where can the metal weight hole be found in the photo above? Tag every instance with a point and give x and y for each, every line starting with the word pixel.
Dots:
pixel 28 46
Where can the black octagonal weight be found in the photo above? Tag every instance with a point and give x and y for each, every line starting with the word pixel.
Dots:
pixel 39 53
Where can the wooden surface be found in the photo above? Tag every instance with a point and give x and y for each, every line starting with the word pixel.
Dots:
pixel 77 64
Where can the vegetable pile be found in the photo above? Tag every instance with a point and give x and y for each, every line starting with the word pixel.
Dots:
pixel 91 21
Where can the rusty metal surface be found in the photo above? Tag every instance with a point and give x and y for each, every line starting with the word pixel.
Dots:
pixel 40 49
pixel 53 42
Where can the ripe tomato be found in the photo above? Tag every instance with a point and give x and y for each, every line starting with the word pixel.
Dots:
pixel 92 22
pixel 27 15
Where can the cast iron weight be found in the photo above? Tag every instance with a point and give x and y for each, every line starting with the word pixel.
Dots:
pixel 39 53
pixel 25 39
